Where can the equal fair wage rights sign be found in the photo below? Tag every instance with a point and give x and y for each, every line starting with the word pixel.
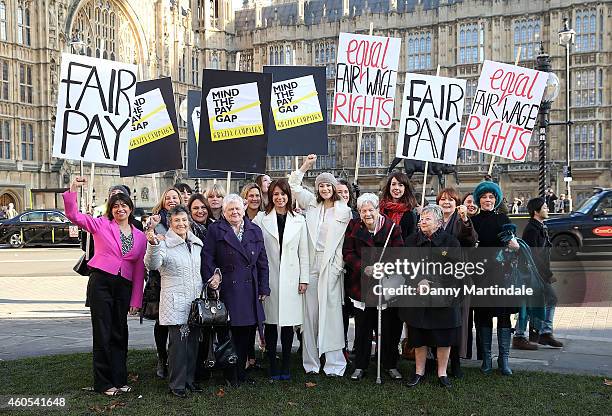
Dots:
pixel 94 104
pixel 366 74
pixel 505 110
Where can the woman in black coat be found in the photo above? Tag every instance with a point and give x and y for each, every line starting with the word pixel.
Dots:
pixel 489 223
pixel 458 223
pixel 430 326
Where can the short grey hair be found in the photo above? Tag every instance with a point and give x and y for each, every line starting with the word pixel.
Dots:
pixel 177 210
pixel 436 211
pixel 232 198
pixel 367 198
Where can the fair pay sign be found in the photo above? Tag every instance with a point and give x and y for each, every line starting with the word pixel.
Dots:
pixel 94 110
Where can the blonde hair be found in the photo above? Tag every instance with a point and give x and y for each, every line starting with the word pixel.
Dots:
pixel 215 189
pixel 158 207
pixel 247 188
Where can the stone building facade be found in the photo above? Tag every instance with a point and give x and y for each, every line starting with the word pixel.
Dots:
pixel 179 38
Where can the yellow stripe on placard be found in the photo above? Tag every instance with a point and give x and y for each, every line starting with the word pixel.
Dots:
pixel 312 94
pixel 298 121
pixel 237 110
pixel 151 114
pixel 151 136
pixel 236 132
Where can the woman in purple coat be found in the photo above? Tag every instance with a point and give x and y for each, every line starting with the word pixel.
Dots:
pixel 235 246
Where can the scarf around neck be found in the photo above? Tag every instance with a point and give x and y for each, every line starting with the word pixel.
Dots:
pixel 393 210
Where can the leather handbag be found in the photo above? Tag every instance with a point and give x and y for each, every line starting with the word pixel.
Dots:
pixel 207 312
pixel 81 266
pixel 220 354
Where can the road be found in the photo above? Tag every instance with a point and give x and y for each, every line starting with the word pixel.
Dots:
pixel 42 312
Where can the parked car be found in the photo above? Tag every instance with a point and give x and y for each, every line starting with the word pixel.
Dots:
pixel 587 229
pixel 38 227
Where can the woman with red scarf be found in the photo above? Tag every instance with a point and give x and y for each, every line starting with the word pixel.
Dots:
pixel 398 203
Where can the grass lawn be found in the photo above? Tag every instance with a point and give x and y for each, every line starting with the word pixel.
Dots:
pixel 524 393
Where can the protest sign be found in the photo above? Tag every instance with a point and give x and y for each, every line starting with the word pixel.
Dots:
pixel 154 145
pixel 235 108
pixel 93 110
pixel 298 122
pixel 505 110
pixel 193 127
pixel 366 74
pixel 430 121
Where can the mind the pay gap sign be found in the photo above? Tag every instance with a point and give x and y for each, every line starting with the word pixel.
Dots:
pixel 366 74
pixel 505 110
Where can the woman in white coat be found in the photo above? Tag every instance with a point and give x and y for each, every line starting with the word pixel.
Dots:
pixel 327 217
pixel 286 241
pixel 177 258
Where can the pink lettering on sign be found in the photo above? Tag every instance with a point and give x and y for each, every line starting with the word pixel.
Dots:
pixel 513 83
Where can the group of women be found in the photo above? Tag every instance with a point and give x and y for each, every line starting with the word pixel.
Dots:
pixel 282 257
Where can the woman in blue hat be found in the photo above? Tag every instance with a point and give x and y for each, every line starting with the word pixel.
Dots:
pixel 490 224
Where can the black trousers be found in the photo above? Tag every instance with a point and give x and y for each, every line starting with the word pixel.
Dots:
pixel 221 334
pixel 109 302
pixel 271 335
pixel 242 338
pixel 366 321
pixel 483 317
pixel 160 333
pixel 251 352
pixel 183 351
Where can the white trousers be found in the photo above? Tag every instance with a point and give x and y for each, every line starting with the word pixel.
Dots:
pixel 335 363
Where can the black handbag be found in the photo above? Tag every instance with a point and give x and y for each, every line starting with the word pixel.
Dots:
pixel 220 354
pixel 150 297
pixel 207 312
pixel 81 266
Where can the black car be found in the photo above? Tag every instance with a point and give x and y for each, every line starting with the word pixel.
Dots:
pixel 38 227
pixel 587 229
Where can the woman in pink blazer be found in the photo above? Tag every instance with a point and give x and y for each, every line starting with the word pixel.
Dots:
pixel 115 284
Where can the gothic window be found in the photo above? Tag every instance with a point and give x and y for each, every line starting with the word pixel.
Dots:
pixel 3 20
pixel 106 31
pixel 5 139
pixel 527 36
pixel 586 28
pixel 585 146
pixel 4 80
pixel 23 26
pixel 370 155
pixel 182 72
pixel 587 90
pixel 288 58
pixel 328 161
pixel 27 141
pixel 419 51
pixel 214 63
pixel 195 68
pixel 25 84
pixel 471 43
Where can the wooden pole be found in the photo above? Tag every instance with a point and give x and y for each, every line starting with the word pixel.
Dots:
pixel 360 135
pixel 516 62
pixel 229 173
pixel 426 169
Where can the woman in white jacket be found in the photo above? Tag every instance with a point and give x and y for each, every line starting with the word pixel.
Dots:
pixel 177 258
pixel 286 241
pixel 327 217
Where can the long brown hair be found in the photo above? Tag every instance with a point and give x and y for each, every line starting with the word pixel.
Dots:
pixel 283 185
pixel 408 198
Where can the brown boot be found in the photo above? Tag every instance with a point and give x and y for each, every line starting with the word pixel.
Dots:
pixel 521 343
pixel 548 339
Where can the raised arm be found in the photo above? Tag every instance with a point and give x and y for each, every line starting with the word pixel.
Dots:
pixel 72 211
pixel 303 196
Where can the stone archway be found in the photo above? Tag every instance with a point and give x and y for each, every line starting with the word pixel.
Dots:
pixel 109 29
pixel 7 197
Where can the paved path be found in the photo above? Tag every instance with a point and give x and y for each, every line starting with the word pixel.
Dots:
pixel 42 312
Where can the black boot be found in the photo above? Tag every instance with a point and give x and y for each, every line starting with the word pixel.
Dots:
pixel 503 341
pixel 455 363
pixel 486 335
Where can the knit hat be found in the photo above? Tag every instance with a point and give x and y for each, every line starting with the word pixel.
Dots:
pixel 325 177
pixel 488 186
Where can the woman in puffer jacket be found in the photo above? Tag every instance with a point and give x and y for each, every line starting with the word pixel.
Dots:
pixel 177 258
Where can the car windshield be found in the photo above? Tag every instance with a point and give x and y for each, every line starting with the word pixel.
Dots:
pixel 587 204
